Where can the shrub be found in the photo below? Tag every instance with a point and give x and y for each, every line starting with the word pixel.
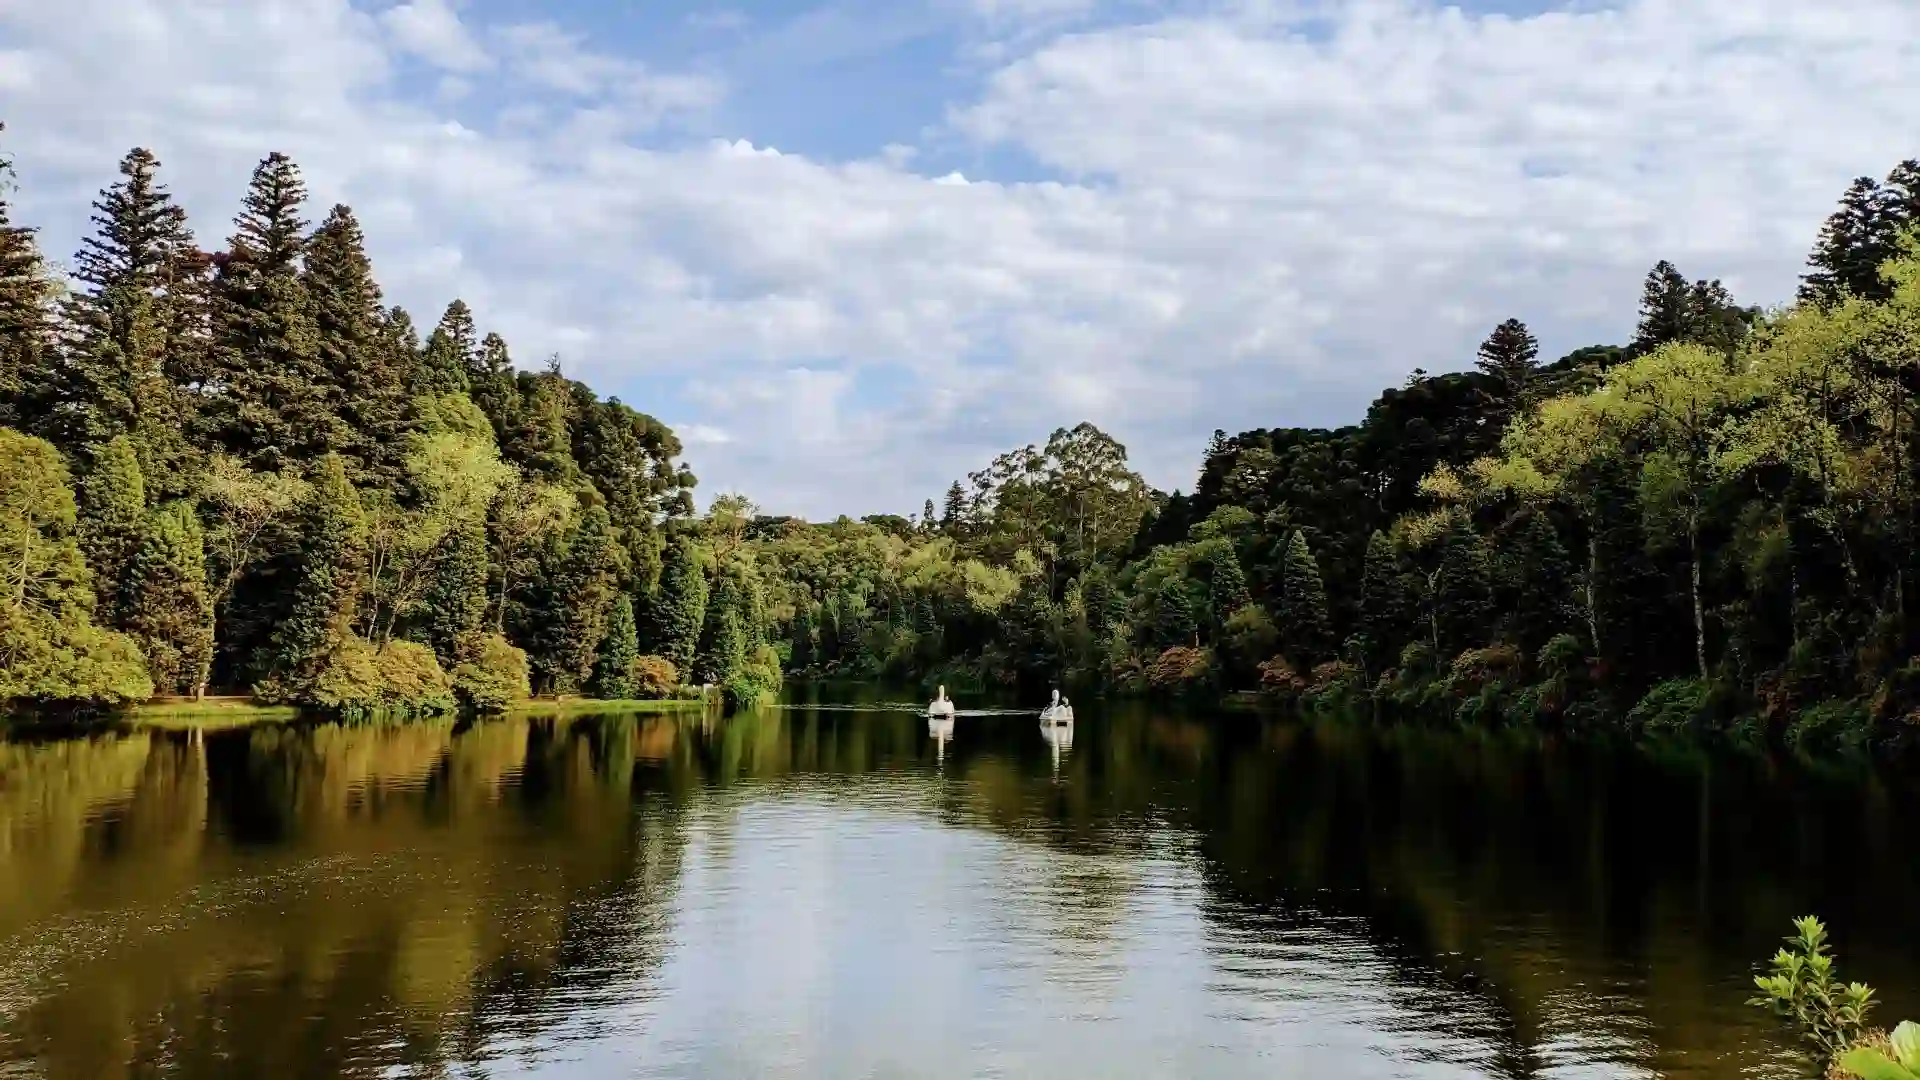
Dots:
pixel 1803 990
pixel 1278 679
pixel 496 676
pixel 653 677
pixel 354 678
pixel 1179 668
pixel 1674 704
pixel 756 681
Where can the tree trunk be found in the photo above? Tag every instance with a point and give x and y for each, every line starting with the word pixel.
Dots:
pixel 1699 609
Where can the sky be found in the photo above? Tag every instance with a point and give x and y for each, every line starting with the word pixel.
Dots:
pixel 852 249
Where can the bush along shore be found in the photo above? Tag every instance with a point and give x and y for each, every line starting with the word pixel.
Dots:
pixel 238 471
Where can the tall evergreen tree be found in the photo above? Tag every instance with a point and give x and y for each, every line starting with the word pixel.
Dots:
pixel 1666 309
pixel 1463 591
pixel 275 405
pixel 681 609
pixel 1540 586
pixel 1226 585
pixel 113 523
pixel 802 657
pixel 169 606
pixel 578 593
pixel 491 385
pixel 366 376
pixel 1174 623
pixel 1511 356
pixel 452 352
pixel 122 325
pixel 457 602
pixel 953 513
pixel 326 578
pixel 27 370
pixel 1383 607
pixel 1306 632
pixel 725 638
pixel 619 647
pixel 543 444
pixel 1853 243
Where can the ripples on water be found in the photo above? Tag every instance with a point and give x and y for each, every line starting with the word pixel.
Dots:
pixel 837 892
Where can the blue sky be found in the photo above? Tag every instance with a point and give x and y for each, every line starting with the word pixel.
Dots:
pixel 1169 216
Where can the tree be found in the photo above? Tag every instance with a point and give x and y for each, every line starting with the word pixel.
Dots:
pixel 1510 356
pixel 491 384
pixel 526 516
pixel 453 350
pixel 1463 591
pixel 366 374
pixel 1306 633
pixel 802 656
pixel 953 512
pixel 1665 309
pixel 1540 584
pixel 457 601
pixel 681 610
pixel 275 408
pixel 138 287
pixel 326 583
pixel 619 648
pixel 169 606
pixel 577 595
pixel 1853 243
pixel 50 649
pixel 1383 606
pixel 113 521
pixel 27 372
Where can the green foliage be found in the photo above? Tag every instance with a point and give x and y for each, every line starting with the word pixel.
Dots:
pixel 1305 634
pixel 653 678
pixel 169 603
pixel 1898 1060
pixel 326 588
pixel 619 649
pixel 355 678
pixel 494 676
pixel 112 500
pixel 50 650
pixel 578 593
pixel 680 611
pixel 1801 988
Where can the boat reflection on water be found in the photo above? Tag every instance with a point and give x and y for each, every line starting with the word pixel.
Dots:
pixel 941 728
pixel 1059 736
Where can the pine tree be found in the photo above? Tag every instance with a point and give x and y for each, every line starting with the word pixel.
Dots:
pixel 1383 610
pixel 1665 309
pixel 452 352
pixel 27 370
pixel 1226 585
pixel 1510 355
pixel 1463 591
pixel 366 377
pixel 325 587
pixel 953 514
pixel 276 408
pixel 169 608
pixel 121 325
pixel 113 524
pixel 578 594
pixel 619 647
pixel 543 443
pixel 492 387
pixel 1542 585
pixel 724 641
pixel 1306 634
pixel 457 603
pixel 929 520
pixel 1853 243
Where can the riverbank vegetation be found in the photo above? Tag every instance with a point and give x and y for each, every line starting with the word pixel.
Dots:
pixel 239 470
pixel 1710 525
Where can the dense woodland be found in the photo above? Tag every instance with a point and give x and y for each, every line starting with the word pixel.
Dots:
pixel 240 470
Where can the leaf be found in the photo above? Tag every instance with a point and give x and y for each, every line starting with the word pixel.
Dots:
pixel 1906 1044
pixel 1869 1064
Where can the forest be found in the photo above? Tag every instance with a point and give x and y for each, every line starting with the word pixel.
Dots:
pixel 240 471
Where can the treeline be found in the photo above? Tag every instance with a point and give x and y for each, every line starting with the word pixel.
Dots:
pixel 1712 524
pixel 241 470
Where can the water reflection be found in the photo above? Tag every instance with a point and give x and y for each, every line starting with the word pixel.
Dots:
pixel 831 892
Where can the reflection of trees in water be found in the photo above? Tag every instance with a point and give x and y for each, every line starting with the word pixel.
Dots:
pixel 418 902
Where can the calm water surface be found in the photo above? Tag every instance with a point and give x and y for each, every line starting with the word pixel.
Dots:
pixel 837 893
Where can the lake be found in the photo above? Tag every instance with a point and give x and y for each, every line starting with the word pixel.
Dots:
pixel 830 891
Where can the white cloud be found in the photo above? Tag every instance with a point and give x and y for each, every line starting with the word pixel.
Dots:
pixel 432 30
pixel 1264 224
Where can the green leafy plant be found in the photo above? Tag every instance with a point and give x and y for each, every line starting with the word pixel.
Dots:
pixel 1900 1061
pixel 1802 989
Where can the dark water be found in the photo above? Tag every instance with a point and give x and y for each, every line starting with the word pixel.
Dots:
pixel 834 893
